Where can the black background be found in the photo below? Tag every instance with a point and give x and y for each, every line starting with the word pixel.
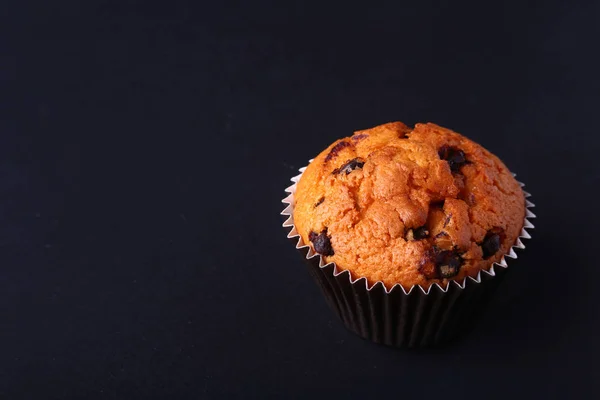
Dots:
pixel 143 156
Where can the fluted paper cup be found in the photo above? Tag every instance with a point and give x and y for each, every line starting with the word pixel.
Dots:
pixel 418 317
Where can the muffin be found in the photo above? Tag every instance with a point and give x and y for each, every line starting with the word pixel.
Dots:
pixel 409 206
pixel 406 230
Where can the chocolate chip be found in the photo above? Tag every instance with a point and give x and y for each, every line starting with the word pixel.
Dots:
pixel 321 243
pixel 420 233
pixel 439 264
pixel 350 166
pixel 359 137
pixel 417 233
pixel 492 241
pixel 336 149
pixel 455 157
pixel 318 203
pixel 448 263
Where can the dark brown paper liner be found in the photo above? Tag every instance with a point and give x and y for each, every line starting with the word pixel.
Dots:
pixel 418 317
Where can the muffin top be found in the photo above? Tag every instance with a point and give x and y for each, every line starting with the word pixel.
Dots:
pixel 409 206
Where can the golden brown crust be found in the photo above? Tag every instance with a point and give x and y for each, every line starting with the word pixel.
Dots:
pixel 409 206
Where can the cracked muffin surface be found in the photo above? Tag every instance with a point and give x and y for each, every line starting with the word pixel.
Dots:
pixel 409 206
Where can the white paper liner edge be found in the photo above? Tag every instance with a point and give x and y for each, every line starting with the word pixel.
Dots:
pixel 293 233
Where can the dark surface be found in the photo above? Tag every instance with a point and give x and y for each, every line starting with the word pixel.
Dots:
pixel 143 155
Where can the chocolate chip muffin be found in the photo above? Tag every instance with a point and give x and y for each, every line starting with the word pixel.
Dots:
pixel 409 206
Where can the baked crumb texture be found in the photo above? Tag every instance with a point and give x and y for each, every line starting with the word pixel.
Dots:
pixel 409 206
